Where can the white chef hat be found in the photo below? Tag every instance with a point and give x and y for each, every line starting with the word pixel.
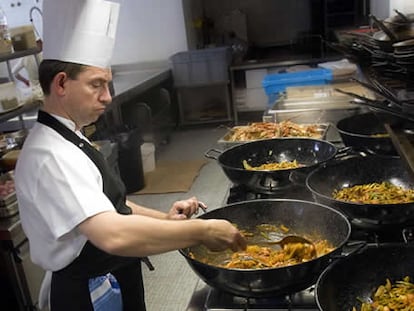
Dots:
pixel 80 31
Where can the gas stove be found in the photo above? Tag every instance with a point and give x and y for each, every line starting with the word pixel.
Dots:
pixel 216 300
pixel 300 301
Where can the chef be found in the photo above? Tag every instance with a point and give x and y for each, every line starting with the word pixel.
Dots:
pixel 82 231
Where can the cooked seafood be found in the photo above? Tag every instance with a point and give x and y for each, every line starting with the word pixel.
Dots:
pixel 273 166
pixel 266 130
pixel 257 256
pixel 375 193
pixel 397 297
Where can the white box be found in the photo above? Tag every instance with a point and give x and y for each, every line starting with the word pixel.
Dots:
pixel 256 99
pixel 255 77
pixel 148 157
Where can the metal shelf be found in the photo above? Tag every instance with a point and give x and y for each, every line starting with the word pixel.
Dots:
pixel 29 106
pixel 19 54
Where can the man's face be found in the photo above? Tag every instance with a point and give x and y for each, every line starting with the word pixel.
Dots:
pixel 88 95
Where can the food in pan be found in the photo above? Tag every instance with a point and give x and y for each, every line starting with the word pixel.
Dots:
pixel 267 130
pixel 259 255
pixel 391 297
pixel 273 166
pixel 375 193
pixel 380 135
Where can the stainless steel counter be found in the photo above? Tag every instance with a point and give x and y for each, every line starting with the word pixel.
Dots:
pixel 131 80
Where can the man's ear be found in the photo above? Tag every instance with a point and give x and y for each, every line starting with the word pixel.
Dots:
pixel 58 83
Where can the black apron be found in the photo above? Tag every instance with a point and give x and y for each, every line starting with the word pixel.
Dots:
pixel 69 288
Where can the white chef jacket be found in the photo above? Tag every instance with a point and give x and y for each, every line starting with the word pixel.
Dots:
pixel 57 188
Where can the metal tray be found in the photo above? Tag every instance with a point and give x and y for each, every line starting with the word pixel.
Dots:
pixel 322 129
pixel 323 110
pixel 9 210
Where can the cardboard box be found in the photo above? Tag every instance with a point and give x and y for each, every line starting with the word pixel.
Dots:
pixel 23 38
pixel 6 47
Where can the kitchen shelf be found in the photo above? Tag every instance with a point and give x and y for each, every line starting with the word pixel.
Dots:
pixel 27 107
pixel 238 81
pixel 19 54
pixel 205 103
pixel 338 14
pixel 8 57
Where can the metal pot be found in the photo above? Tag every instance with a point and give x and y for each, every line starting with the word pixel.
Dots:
pixel 306 151
pixel 363 170
pixel 348 281
pixel 303 218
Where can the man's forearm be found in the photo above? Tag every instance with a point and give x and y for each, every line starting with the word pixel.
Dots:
pixel 141 210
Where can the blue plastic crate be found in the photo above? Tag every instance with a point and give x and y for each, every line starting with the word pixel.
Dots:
pixel 277 83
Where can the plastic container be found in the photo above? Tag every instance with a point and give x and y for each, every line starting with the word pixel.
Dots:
pixel 8 96
pixel 274 84
pixel 148 157
pixel 6 46
pixel 204 66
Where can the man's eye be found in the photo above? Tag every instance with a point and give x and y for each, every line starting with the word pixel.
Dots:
pixel 96 84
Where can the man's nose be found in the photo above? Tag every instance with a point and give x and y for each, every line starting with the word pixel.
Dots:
pixel 105 95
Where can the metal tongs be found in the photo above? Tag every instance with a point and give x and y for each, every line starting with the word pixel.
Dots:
pixel 379 105
pixel 379 89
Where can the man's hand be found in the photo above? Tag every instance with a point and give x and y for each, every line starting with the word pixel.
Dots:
pixel 184 209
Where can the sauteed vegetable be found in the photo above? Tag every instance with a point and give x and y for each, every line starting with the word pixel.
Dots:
pixel 272 166
pixel 258 256
pixel 375 193
pixel 391 297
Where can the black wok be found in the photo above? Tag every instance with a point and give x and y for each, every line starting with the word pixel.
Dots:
pixel 358 131
pixel 306 151
pixel 363 170
pixel 303 218
pixel 346 281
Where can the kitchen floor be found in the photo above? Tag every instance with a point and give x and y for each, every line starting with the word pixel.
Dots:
pixel 170 286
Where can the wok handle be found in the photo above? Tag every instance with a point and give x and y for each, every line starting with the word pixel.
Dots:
pixel 213 153
pixel 355 247
pixel 352 151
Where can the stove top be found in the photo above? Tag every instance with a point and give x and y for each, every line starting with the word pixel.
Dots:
pixel 216 300
pixel 220 301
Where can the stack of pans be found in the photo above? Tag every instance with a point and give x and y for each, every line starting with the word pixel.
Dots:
pixel 404 53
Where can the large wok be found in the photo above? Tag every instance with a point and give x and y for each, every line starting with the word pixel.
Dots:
pixel 341 286
pixel 306 151
pixel 360 131
pixel 362 170
pixel 303 218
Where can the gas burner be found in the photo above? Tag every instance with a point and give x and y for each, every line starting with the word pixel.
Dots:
pixel 395 234
pixel 221 301
pixel 241 193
